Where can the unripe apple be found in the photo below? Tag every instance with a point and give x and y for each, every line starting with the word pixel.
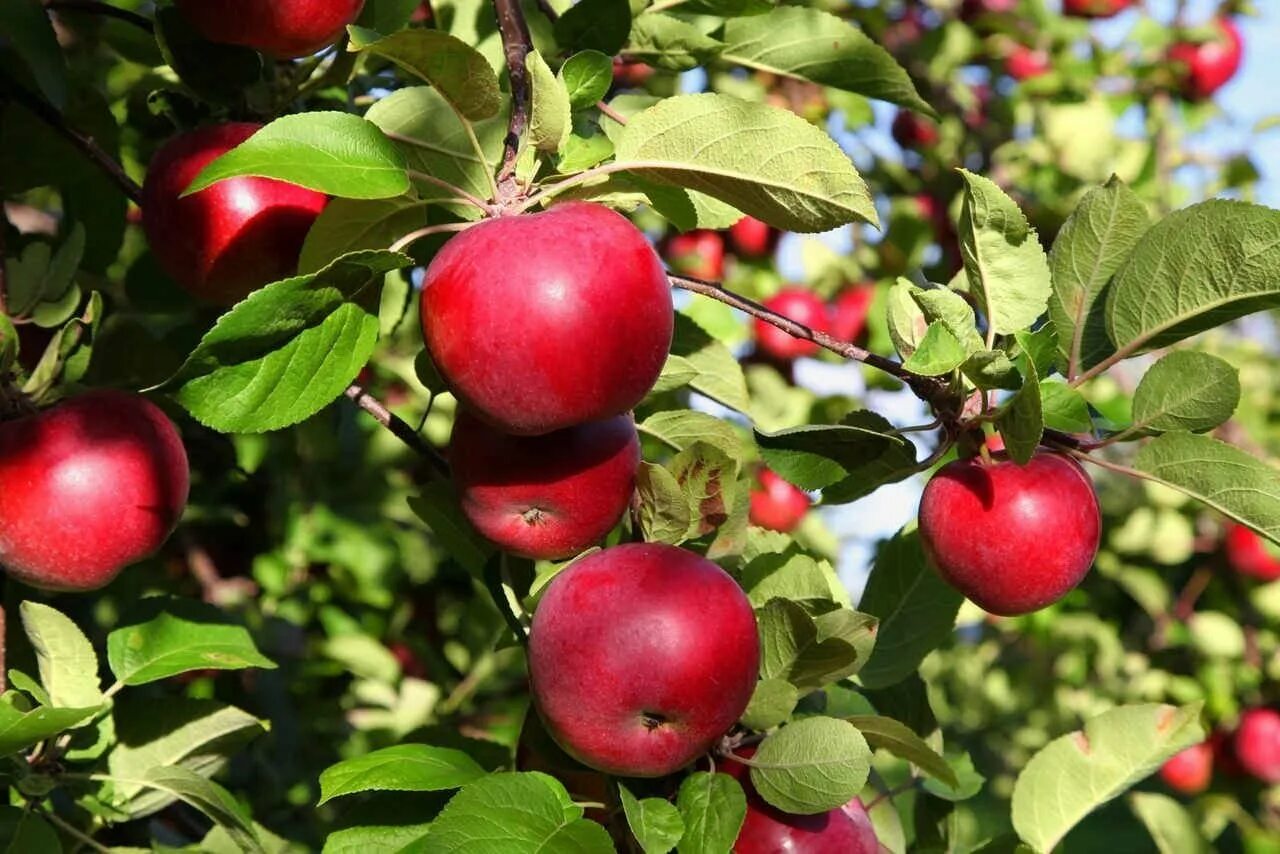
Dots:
pixel 232 237
pixel 1207 67
pixel 1257 744
pixel 1094 8
pixel 87 487
pixel 641 657
pixel 849 311
pixel 1250 554
pixel 776 504
pixel 548 496
pixel 912 130
pixel 698 253
pixel 542 321
pixel 1189 771
pixel 801 305
pixel 753 238
pixel 1011 538
pixel 769 830
pixel 283 29
pixel 1024 62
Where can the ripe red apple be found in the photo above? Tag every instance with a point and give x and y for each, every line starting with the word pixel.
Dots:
pixel 753 238
pixel 1094 8
pixel 641 657
pixel 1190 771
pixel 1207 67
pixel 698 253
pixel 1257 744
pixel 228 239
pixel 912 130
pixel 776 504
pixel 628 74
pixel 801 305
pixel 547 496
pixel 422 14
pixel 283 29
pixel 769 830
pixel 87 487
pixel 1250 554
pixel 1011 538
pixel 542 321
pixel 849 311
pixel 1024 62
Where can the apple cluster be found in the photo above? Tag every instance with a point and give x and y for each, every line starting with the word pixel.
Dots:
pixel 1253 749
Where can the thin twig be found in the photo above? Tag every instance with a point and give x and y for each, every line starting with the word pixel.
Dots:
pixel 516 44
pixel 458 193
pixel 74 832
pixel 611 113
pixel 87 146
pixel 401 430
pixel 429 230
pixel 106 10
pixel 544 6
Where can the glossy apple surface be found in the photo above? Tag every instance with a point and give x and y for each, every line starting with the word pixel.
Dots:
pixel 776 504
pixel 232 237
pixel 1257 744
pixel 548 496
pixel 753 238
pixel 698 253
pixel 283 29
pixel 911 130
pixel 804 307
pixel 849 311
pixel 1011 538
pixel 1094 8
pixel 1207 67
pixel 542 321
pixel 1249 554
pixel 1190 771
pixel 641 657
pixel 1024 62
pixel 87 487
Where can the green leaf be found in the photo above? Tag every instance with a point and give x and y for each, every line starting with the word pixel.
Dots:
pixel 789 574
pixel 1005 264
pixel 402 768
pixel 916 609
pixel 897 738
pixel 352 225
pixel 1064 407
pixel 1091 246
pixel 907 323
pixel 1021 421
pixel 816 456
pixel 718 374
pixel 1218 475
pixel 771 704
pixel 165 636
pixel 680 428
pixel 587 77
pixel 810 44
pixel 335 153
pixel 990 369
pixel 600 25
pixel 288 350
pixel 1172 827
pixel 1196 269
pixel 665 515
pixel 1186 390
pixel 937 353
pixel 8 345
pixel 28 31
pixel 530 813
pixel 811 766
pixel 455 69
pixel 808 651
pixel 585 147
pixel 713 807
pixel 550 119
pixel 365 838
pixel 67 662
pixel 23 831
pixel 765 161
pixel 1115 750
pixel 726 8
pixel 20 730
pixel 209 798
pixel 655 823
pixel 948 308
pixel 664 41
pixel 968 780
pixel 707 478
pixel 39 276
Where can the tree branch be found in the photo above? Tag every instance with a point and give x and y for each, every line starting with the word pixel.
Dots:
pixel 402 431
pixel 106 10
pixel 86 145
pixel 516 44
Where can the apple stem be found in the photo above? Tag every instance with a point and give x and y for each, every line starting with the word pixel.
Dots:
pixel 516 44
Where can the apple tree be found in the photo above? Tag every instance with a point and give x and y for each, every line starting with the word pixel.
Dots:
pixel 437 427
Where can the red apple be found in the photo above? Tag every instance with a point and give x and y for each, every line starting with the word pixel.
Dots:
pixel 753 238
pixel 804 307
pixel 283 29
pixel 422 14
pixel 537 751
pixel 542 321
pixel 769 830
pixel 1250 554
pixel 1023 63
pixel 1207 67
pixel 905 31
pixel 547 496
pixel 776 504
pixel 699 254
pixel 628 74
pixel 1011 538
pixel 1257 744
pixel 849 312
pixel 912 130
pixel 1190 771
pixel 88 487
pixel 1094 8
pixel 641 657
pixel 228 239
